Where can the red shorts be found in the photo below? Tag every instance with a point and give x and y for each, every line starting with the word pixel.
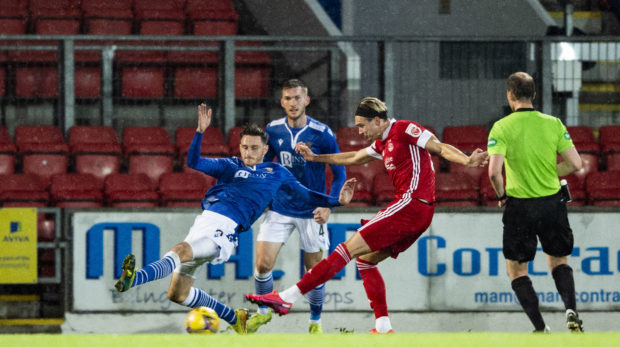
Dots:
pixel 395 228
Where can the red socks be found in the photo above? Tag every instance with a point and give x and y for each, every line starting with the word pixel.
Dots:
pixel 375 287
pixel 325 269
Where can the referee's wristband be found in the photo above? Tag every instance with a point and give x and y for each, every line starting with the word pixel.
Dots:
pixel 502 197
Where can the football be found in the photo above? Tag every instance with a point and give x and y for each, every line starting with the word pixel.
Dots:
pixel 202 320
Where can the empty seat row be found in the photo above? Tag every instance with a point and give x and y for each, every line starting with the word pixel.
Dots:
pixel 96 150
pixel 142 74
pixel 118 17
pixel 119 190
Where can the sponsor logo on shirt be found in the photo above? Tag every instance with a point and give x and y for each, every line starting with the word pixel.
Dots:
pixel 492 142
pixel 413 130
pixel 389 163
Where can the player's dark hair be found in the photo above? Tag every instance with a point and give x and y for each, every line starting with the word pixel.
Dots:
pixel 294 83
pixel 521 85
pixel 371 107
pixel 254 130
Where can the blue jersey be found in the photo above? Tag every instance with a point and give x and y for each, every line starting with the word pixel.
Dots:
pixel 282 142
pixel 242 193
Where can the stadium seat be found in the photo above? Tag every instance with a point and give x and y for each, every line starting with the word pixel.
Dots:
pixel 234 140
pixel 610 145
pixel 110 17
pixel 581 134
pixel 252 72
pixel 13 16
pixel 59 17
pixel 22 190
pixel 149 151
pixel 487 193
pixel 590 163
pixel 454 189
pixel 42 149
pixel 363 191
pixel 213 144
pixel 475 173
pixel 46 262
pixel 7 152
pixel 383 189
pixel 159 17
pixel 603 188
pixel 130 190
pixel 367 172
pixel 466 138
pixel 195 82
pixel 577 190
pixel 142 73
pixel 46 227
pixel 211 18
pixel 349 139
pixel 431 129
pixel 76 191
pixel 95 150
pixel 184 189
pixel 3 76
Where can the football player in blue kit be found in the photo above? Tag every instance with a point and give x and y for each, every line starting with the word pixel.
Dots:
pixel 243 190
pixel 288 213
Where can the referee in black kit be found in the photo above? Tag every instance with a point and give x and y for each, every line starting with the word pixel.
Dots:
pixel 528 142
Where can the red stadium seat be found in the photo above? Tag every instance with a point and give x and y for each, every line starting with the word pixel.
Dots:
pixel 610 144
pixel 349 139
pixel 603 188
pixel 453 189
pixel 213 144
pixel 363 191
pixel 59 17
pixel 142 73
pixel 7 152
pixel 581 134
pixel 22 190
pixel 43 150
pixel 367 172
pixel 95 150
pixel 149 151
pixel 46 227
pixel 487 194
pixel 195 82
pixel 475 173
pixel 466 138
pixel 130 190
pixel 577 190
pixel 383 189
pixel 159 17
pixel 184 189
pixel 234 140
pixel 76 191
pixel 13 16
pixel 211 18
pixel 110 17
pixel 590 164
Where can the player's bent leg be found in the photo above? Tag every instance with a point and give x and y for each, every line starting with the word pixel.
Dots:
pixel 128 275
pixel 272 300
pixel 257 320
pixel 266 254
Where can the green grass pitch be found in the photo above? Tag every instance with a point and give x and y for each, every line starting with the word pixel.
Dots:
pixel 341 340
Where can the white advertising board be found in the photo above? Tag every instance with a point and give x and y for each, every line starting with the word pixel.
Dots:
pixel 457 265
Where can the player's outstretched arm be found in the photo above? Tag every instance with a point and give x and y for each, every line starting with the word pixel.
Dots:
pixel 453 154
pixel 344 158
pixel 204 118
pixel 347 191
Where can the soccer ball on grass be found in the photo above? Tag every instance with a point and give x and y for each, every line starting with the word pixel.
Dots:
pixel 202 320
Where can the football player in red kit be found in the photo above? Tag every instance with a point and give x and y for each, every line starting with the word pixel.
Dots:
pixel 405 148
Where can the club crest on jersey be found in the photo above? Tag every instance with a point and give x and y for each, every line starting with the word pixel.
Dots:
pixel 280 141
pixel 390 146
pixel 413 130
pixel 269 169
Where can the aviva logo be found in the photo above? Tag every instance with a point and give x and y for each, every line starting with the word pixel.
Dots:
pixel 15 228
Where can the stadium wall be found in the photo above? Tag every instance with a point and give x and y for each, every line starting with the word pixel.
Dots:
pixel 456 266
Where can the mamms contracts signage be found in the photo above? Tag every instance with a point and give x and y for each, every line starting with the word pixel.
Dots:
pixel 18 245
pixel 456 265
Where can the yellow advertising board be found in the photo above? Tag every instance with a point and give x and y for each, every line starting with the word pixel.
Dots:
pixel 18 245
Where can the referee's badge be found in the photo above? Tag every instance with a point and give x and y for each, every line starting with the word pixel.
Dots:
pixel 492 142
pixel 566 135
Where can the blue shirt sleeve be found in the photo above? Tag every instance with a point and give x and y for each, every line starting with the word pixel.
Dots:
pixel 210 166
pixel 291 185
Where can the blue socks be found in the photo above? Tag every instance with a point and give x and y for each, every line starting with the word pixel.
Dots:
pixel 156 270
pixel 263 284
pixel 198 297
pixel 315 298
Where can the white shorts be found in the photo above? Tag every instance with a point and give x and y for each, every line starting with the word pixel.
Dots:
pixel 313 237
pixel 209 228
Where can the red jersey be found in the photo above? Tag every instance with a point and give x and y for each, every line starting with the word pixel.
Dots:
pixel 407 162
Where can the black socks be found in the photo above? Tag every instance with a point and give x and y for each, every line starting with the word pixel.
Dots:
pixel 527 297
pixel 564 282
